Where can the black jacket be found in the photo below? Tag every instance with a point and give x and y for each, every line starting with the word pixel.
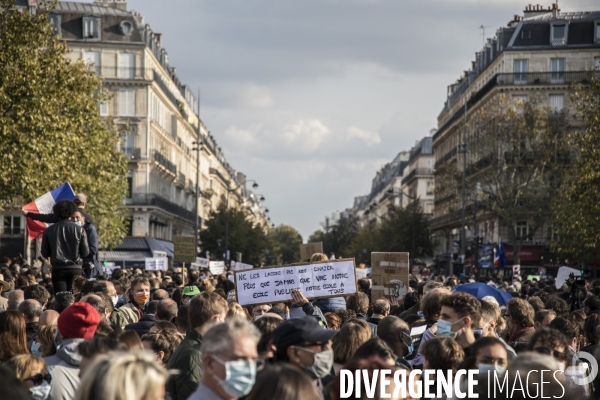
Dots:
pixel 52 219
pixel 92 258
pixel 65 243
pixel 142 326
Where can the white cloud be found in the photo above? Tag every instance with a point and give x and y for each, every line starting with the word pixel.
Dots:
pixel 240 136
pixel 370 138
pixel 306 135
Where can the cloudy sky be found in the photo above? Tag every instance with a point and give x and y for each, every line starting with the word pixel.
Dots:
pixel 310 98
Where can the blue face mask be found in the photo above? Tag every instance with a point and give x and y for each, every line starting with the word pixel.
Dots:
pixel 444 329
pixel 40 392
pixel 420 314
pixel 239 376
pixel 485 368
pixel 35 349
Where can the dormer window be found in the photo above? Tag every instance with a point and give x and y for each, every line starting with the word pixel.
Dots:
pixel 91 28
pixel 126 27
pixel 558 34
pixel 54 20
pixel 597 32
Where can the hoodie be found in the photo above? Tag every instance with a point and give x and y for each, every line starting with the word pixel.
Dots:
pixel 64 369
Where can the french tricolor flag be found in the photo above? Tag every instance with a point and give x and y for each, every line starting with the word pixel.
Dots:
pixel 43 205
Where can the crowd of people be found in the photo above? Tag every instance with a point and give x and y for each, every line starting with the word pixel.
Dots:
pixel 180 334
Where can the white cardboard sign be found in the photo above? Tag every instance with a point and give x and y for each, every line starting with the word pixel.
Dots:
pixel 157 263
pixel 363 273
pixel 274 285
pixel 563 275
pixel 238 266
pixel 216 267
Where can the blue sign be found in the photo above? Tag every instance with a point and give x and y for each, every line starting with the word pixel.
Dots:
pixel 486 256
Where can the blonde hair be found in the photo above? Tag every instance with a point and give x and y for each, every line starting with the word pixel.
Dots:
pixel 24 364
pixel 122 376
pixel 45 338
pixel 318 257
pixel 235 310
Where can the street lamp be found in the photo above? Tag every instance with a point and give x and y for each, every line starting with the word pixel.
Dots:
pixel 414 200
pixel 198 147
pixel 255 186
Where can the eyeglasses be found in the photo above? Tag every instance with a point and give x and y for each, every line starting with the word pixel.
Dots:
pixel 38 379
pixel 560 356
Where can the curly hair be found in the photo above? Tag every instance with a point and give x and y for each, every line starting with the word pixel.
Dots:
pixel 521 312
pixel 559 306
pixel 64 209
pixel 464 305
pixel 550 338
pixel 165 340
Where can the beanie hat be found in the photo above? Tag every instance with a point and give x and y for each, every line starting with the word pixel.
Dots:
pixel 78 321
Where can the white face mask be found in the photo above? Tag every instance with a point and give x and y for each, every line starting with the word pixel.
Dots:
pixel 115 300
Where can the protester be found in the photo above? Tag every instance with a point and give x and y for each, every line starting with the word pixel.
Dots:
pixel 351 336
pixel 91 264
pixel 124 376
pixel 376 347
pixel 520 316
pixel 205 310
pixel 381 309
pixel 162 343
pixel 396 334
pixel 189 292
pixel 62 300
pixel 307 345
pixel 266 325
pixel 31 370
pixel 359 303
pixel 37 292
pixel 15 297
pixel 13 335
pixel 91 350
pixel 75 324
pixel 131 339
pixel 282 382
pixel 459 314
pixel 31 310
pixel 44 345
pixel 228 347
pixel 146 321
pixel 4 287
pixel 138 299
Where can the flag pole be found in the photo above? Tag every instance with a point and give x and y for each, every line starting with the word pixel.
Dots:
pixel 27 246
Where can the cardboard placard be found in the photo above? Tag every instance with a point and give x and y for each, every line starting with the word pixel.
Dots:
pixel 363 273
pixel 157 263
pixel 390 275
pixel 308 249
pixel 275 284
pixel 216 267
pixel 185 249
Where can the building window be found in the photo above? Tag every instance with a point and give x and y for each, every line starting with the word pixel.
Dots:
pixel 558 34
pixel 557 69
pixel 525 35
pixel 127 102
pixel 126 65
pixel 521 230
pixel 597 62
pixel 103 106
pixel 91 28
pixel 597 32
pixel 129 193
pixel 12 225
pixel 54 23
pixel 557 102
pixel 430 188
pixel 92 60
pixel 521 69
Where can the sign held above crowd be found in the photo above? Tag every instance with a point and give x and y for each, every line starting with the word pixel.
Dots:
pixel 308 249
pixel 275 284
pixel 389 275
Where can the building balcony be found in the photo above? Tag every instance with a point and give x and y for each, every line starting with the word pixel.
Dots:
pixel 132 153
pixel 166 165
pixel 415 173
pixel 120 73
pixel 515 79
pixel 216 172
pixel 153 200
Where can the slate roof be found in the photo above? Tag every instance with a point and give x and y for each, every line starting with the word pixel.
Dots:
pixel 89 8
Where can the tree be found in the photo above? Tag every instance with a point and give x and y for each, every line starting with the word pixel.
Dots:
pixel 366 241
pixel 51 131
pixel 244 237
pixel 517 155
pixel 285 241
pixel 406 230
pixel 576 207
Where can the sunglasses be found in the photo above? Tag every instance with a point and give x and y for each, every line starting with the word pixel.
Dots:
pixel 560 356
pixel 38 379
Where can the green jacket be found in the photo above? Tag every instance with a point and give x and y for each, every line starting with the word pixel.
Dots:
pixel 187 360
pixel 117 318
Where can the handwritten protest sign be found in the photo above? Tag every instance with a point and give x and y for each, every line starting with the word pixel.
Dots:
pixel 216 267
pixel 275 284
pixel 238 266
pixel 157 263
